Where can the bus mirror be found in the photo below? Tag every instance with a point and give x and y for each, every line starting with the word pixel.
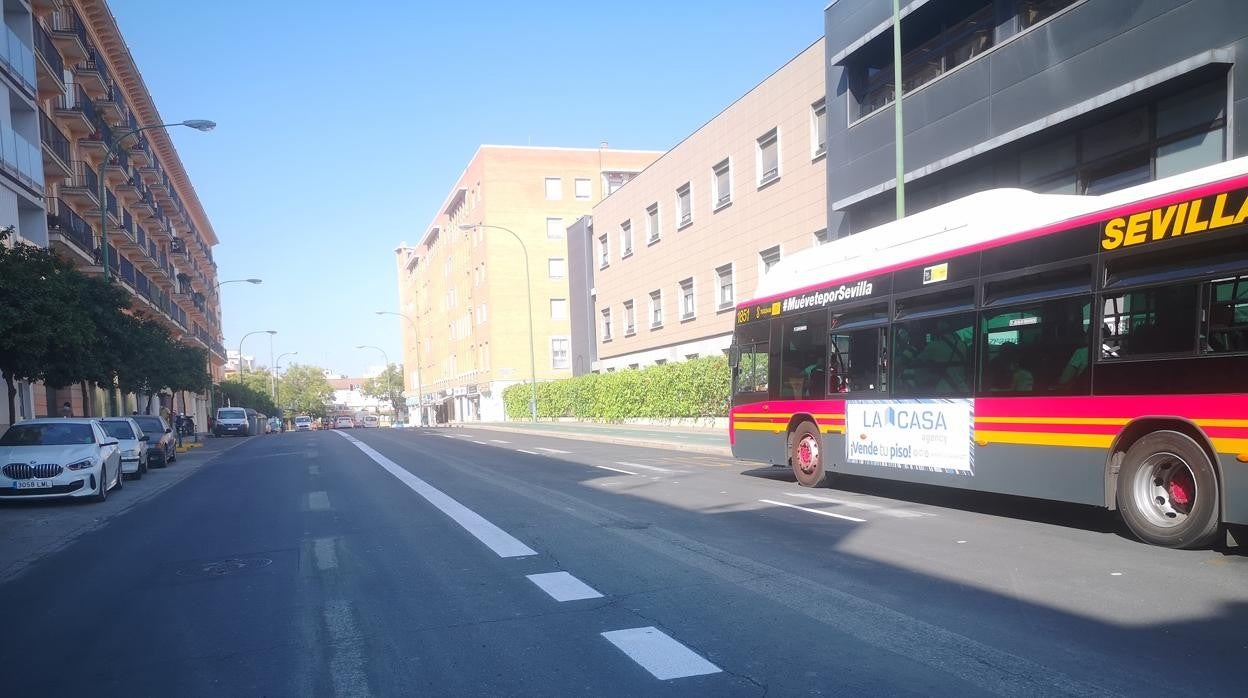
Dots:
pixel 734 356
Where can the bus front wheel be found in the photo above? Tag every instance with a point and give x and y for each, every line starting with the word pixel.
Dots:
pixel 806 455
pixel 1168 491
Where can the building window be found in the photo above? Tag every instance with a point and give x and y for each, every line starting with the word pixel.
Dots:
pixel 606 324
pixel 583 188
pixel 611 181
pixel 554 229
pixel 630 319
pixel 556 267
pixel 688 301
pixel 721 180
pixel 768 154
pixel 934 39
pixel 652 222
pixel 819 129
pixel 690 357
pixel 1033 12
pixel 481 314
pixel 767 259
pixel 821 236
pixel 554 189
pixel 684 205
pixel 558 308
pixel 656 309
pixel 604 251
pixel 626 239
pixel 724 276
pixel 1173 135
pixel 559 352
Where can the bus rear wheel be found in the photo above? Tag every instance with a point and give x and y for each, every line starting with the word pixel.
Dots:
pixel 1168 491
pixel 806 455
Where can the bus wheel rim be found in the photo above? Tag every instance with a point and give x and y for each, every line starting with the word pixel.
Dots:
pixel 1164 489
pixel 807 454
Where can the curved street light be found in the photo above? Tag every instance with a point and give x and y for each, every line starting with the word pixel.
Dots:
pixel 528 282
pixel 240 281
pixel 197 124
pixel 420 393
pixel 240 345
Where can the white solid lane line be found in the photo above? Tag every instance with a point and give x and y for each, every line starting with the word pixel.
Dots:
pixel 495 538
pixel 564 587
pixel 659 654
pixel 656 469
pixel 550 450
pixel 499 441
pixel 899 513
pixel 813 511
pixel 616 470
pixel 531 453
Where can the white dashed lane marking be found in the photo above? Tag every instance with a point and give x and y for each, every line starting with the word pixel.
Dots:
pixel 499 441
pixel 882 510
pixel 480 442
pixel 659 654
pixel 318 501
pixel 615 470
pixel 551 450
pixel 564 587
pixel 325 554
pixel 656 469
pixel 501 542
pixel 531 453
pixel 813 511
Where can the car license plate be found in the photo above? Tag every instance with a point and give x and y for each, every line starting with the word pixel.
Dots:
pixel 31 484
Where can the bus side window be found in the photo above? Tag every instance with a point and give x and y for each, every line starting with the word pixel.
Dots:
pixel 1036 348
pixel 934 357
pixel 1226 319
pixel 750 375
pixel 857 361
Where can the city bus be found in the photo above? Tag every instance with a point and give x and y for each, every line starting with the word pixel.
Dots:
pixel 1088 349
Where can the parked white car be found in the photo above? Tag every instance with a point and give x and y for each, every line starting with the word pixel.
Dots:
pixel 58 457
pixel 303 424
pixel 133 443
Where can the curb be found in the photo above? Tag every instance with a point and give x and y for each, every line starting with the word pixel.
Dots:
pixel 618 440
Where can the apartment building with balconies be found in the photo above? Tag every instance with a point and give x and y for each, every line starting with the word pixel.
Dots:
pixel 673 250
pixel 21 172
pixel 466 289
pixel 90 97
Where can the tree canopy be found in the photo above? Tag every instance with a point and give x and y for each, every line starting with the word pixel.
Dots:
pixel 305 390
pixel 387 386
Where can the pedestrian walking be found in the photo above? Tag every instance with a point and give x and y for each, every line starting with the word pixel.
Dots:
pixel 67 410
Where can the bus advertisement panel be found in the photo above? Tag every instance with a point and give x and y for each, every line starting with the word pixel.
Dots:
pixel 1081 349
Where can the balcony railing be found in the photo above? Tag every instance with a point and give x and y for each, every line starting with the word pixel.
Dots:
pixel 127 222
pixel 52 137
pixel 48 50
pixel 22 159
pixel 18 59
pixel 142 284
pixel 71 225
pixel 110 203
pixel 77 100
pixel 126 271
pixel 140 236
pixel 113 258
pixel 66 20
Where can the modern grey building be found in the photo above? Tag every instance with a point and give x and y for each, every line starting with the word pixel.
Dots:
pixel 1056 96
pixel 584 344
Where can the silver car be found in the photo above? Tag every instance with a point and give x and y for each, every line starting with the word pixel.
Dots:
pixel 50 457
pixel 133 443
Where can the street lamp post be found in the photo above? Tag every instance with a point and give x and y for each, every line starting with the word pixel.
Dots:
pixel 217 289
pixel 386 357
pixel 272 371
pixel 420 393
pixel 240 345
pixel 528 282
pixel 197 124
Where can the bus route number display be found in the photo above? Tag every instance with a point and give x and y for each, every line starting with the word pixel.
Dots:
pixel 933 435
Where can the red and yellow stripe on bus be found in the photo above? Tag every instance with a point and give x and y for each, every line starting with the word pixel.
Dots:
pixel 1080 422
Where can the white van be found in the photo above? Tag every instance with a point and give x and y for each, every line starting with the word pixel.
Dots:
pixel 231 420
pixel 371 421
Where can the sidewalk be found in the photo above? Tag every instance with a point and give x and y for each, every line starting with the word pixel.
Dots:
pixel 713 441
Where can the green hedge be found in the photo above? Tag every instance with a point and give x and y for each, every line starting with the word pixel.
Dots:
pixel 694 388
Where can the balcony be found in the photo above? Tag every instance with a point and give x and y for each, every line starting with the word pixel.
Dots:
pixel 146 261
pixel 76 113
pixel 114 210
pixel 18 60
pixel 144 205
pixel 55 149
pixel 97 141
pixel 126 272
pixel 140 153
pixel 49 66
pixel 117 169
pixel 92 75
pixel 124 236
pixel 69 34
pixel 111 106
pixel 82 188
pixel 70 234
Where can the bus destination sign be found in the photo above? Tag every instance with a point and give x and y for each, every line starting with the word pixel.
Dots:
pixel 1202 215
pixel 809 300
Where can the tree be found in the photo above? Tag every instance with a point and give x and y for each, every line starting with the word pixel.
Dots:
pixel 93 354
pixel 387 386
pixel 144 367
pixel 188 371
pixel 305 390
pixel 38 317
pixel 240 394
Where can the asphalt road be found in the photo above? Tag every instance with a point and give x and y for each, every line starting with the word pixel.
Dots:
pixel 474 562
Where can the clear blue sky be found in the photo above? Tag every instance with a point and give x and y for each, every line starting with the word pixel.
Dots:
pixel 341 131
